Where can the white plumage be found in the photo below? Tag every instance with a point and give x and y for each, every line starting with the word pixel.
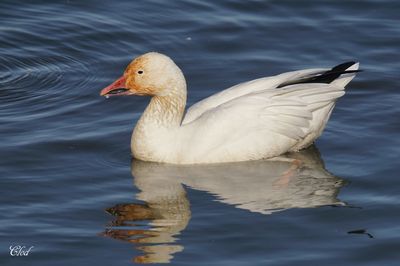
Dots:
pixel 249 121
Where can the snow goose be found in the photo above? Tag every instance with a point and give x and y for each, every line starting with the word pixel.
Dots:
pixel 258 119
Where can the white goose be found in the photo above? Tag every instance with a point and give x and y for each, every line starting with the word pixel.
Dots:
pixel 262 118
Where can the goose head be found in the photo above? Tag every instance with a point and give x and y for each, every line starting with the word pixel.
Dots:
pixel 151 74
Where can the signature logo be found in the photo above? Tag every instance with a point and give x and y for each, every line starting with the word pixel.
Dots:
pixel 19 250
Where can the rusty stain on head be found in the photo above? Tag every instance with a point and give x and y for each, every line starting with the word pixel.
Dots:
pixel 136 79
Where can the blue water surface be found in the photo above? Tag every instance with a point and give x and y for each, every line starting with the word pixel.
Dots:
pixel 68 184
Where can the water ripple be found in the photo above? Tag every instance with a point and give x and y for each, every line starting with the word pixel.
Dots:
pixel 33 80
pixel 65 150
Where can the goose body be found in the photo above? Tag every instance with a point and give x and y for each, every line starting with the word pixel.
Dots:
pixel 259 119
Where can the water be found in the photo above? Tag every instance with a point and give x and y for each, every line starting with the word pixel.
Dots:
pixel 69 188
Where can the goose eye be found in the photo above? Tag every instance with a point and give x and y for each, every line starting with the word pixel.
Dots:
pixel 140 72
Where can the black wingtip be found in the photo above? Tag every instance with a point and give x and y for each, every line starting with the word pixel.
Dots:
pixel 343 67
pixel 336 71
pixel 325 77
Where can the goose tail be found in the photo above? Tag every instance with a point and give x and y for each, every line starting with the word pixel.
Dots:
pixel 348 72
pixel 339 75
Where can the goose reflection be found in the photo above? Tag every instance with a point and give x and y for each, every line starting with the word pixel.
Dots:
pixel 295 180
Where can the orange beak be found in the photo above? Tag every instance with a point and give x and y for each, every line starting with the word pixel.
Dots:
pixel 118 87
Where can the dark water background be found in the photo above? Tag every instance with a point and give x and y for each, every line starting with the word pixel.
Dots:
pixel 65 156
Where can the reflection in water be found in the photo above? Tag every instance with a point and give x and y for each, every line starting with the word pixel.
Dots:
pixel 296 180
